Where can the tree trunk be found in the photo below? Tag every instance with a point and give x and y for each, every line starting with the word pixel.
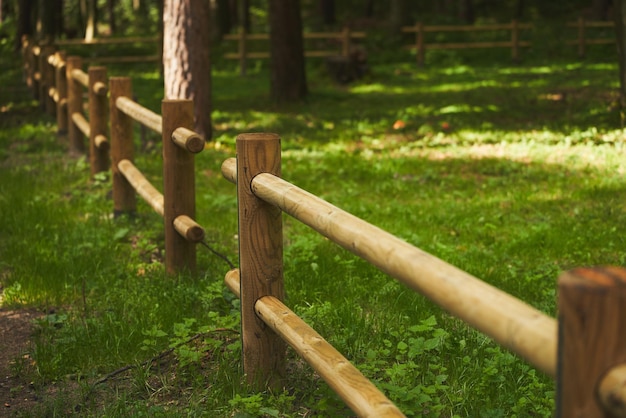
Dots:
pixel 620 24
pixel 111 10
pixel 223 18
pixel 91 29
pixel 51 18
pixel 186 60
pixel 245 15
pixel 466 12
pixel 327 12
pixel 24 21
pixel 287 71
pixel 398 16
pixel 600 9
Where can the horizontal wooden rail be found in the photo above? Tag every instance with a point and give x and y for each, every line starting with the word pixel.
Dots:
pixel 125 59
pixel 184 225
pixel 144 188
pixel 512 323
pixel 81 123
pixel 346 380
pixel 80 76
pixel 107 41
pixel 141 114
pixel 311 35
pixel 102 142
pixel 189 140
pixel 462 45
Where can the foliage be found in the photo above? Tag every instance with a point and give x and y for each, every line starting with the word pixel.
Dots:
pixel 511 172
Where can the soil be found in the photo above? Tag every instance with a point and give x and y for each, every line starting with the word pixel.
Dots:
pixel 16 328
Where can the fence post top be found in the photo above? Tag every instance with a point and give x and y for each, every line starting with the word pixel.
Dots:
pixel 595 277
pixel 258 136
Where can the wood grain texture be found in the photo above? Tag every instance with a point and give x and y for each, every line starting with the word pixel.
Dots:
pixel 508 320
pixel 141 114
pixel 260 258
pixel 74 105
pixel 179 195
pixel 124 197
pixel 592 338
pixel 98 120
pixel 144 188
pixel 61 86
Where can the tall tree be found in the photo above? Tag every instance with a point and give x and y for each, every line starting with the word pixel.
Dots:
pixel 186 59
pixel 25 27
pixel 287 70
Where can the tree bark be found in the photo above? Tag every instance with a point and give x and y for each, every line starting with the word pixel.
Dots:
pixel 186 60
pixel 24 21
pixel 327 12
pixel 112 21
pixel 91 28
pixel 287 70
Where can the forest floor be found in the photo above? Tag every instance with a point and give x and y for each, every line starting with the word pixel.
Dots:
pixel 16 329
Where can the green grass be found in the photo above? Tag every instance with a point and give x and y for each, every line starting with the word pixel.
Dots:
pixel 512 173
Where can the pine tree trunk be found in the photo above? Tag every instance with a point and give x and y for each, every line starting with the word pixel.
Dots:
pixel 186 61
pixel 287 71
pixel 620 23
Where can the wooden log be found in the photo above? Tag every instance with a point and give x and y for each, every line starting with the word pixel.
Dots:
pixel 144 188
pixel 511 322
pixel 102 143
pixel 74 105
pixel 229 170
pixel 48 79
pixel 141 114
pixel 126 59
pixel 189 140
pixel 612 391
pixel 260 258
pixel 592 340
pixel 98 118
pixel 80 76
pixel 188 229
pixel 179 194
pixel 81 123
pixel 346 380
pixel 61 87
pixel 108 41
pixel 124 198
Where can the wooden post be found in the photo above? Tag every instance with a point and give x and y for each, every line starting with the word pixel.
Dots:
pixel 581 37
pixel 179 196
pixel 36 74
pixel 124 197
pixel 514 41
pixel 47 79
pixel 74 105
pixel 243 51
pixel 98 150
pixel 61 85
pixel 345 42
pixel 260 258
pixel 592 337
pixel 419 43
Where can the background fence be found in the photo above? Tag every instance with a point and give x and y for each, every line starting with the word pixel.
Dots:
pixel 253 46
pixel 585 350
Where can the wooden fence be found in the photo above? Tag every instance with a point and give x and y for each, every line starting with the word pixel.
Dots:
pixel 585 349
pixel 243 54
pixel 583 39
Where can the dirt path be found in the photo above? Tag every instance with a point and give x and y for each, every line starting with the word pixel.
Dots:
pixel 16 327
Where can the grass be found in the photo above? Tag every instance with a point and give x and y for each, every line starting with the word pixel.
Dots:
pixel 512 173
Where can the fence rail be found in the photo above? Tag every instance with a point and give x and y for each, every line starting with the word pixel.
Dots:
pixel 584 349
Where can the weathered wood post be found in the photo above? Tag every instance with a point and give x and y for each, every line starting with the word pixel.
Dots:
pixel 345 42
pixel 592 338
pixel 243 51
pixel 581 37
pixel 419 43
pixel 179 196
pixel 74 105
pixel 61 91
pixel 36 74
pixel 47 79
pixel 260 258
pixel 124 196
pixel 514 41
pixel 98 143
